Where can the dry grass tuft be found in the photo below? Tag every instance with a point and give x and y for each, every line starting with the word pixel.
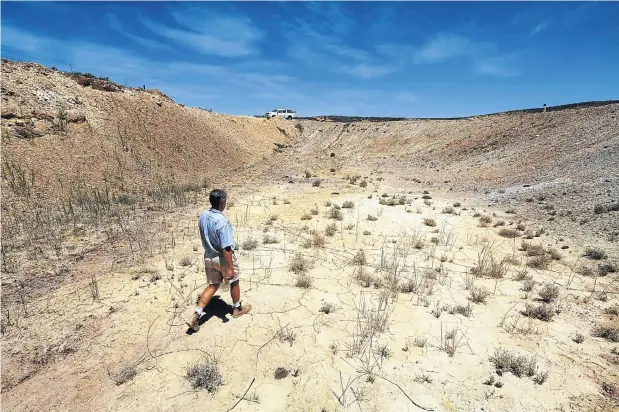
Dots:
pixel 331 230
pixel 594 253
pixel 484 221
pixel 306 216
pixel 299 264
pixel 542 312
pixel 250 244
pixel 269 239
pixel 539 262
pixel 549 293
pixel 608 332
pixel 429 222
pixel 519 365
pixel 479 294
pixel 359 259
pixel 205 375
pixel 186 261
pixel 509 233
pixel 327 308
pixel 335 213
pixel 463 310
pixel 124 375
pixel 303 281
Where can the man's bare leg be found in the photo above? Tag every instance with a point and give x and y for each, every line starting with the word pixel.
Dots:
pixel 204 300
pixel 235 294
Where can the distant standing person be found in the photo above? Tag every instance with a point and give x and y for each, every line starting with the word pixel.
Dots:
pixel 219 257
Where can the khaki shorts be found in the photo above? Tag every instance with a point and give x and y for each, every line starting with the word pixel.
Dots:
pixel 214 268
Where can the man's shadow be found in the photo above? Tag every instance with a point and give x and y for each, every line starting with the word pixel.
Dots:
pixel 216 307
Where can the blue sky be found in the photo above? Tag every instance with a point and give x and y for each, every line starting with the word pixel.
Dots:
pixel 411 59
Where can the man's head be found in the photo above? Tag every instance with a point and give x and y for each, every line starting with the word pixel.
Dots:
pixel 218 197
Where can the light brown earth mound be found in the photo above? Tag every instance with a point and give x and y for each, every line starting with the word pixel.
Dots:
pixel 392 266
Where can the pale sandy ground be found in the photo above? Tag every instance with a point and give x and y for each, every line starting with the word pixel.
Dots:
pixel 139 322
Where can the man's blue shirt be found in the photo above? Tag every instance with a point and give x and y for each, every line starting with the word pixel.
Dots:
pixel 216 232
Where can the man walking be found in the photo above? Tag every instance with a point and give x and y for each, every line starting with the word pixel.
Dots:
pixel 219 257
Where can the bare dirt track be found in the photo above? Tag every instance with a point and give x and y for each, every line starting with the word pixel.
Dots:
pixel 410 265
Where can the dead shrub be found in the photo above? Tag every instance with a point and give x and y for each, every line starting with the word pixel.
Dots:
pixel 612 310
pixel 606 268
pixel 519 365
pixel 186 261
pixel 579 338
pixel 479 294
pixel 485 220
pixel 359 259
pixel 205 375
pixel 449 210
pixel 363 277
pixel 539 262
pixel 463 310
pixel 124 375
pixel 509 233
pixel 318 241
pixel 542 312
pixel 327 308
pixel 429 222
pixel 306 216
pixel 269 239
pixel 594 253
pixel 331 229
pixel 549 293
pixel 528 285
pixel 554 254
pixel 608 332
pixel 303 281
pixel 299 264
pixel 348 205
pixel 533 250
pixel 499 223
pixel 250 244
pixel 335 213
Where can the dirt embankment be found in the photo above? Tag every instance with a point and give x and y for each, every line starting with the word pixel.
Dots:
pixel 66 130
pixel 556 166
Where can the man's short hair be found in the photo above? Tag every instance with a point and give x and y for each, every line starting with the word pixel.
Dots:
pixel 217 197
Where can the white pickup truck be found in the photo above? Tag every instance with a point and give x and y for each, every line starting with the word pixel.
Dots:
pixel 285 113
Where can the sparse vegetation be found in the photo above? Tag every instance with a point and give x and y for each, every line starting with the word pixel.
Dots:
pixel 612 310
pixel 186 261
pixel 335 213
pixel 205 375
pixel 485 220
pixel 479 294
pixel 463 310
pixel 327 308
pixel 549 293
pixel 299 264
pixel 303 281
pixel 269 239
pixel 348 205
pixel 509 233
pixel 594 253
pixel 429 222
pixel 539 262
pixel 449 210
pixel 250 244
pixel 331 230
pixel 359 259
pixel 608 332
pixel 542 312
pixel 519 365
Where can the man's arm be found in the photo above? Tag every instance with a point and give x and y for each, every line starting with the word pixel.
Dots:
pixel 230 272
pixel 227 241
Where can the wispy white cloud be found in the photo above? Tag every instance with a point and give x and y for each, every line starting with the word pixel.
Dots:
pixel 447 46
pixel 210 33
pixel 541 26
pixel 115 24
pixel 498 66
pixel 368 71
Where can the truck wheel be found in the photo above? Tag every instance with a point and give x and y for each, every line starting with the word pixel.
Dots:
pixel 289 117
